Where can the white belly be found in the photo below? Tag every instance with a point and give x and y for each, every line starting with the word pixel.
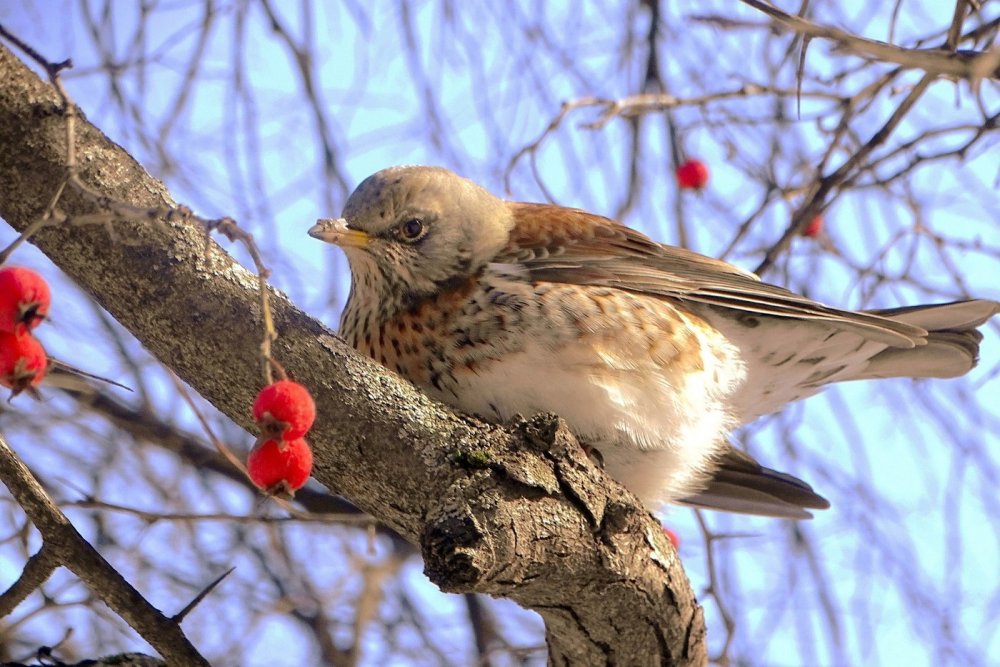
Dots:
pixel 656 430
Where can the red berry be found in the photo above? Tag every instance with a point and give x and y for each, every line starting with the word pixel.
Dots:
pixel 814 228
pixel 22 361
pixel 284 410
pixel 280 467
pixel 692 175
pixel 24 299
pixel 672 536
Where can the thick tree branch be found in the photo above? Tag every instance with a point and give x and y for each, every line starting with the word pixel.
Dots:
pixel 517 512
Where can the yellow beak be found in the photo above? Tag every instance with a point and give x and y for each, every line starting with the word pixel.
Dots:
pixel 335 231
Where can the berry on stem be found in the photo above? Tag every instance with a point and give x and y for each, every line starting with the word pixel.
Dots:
pixel 814 228
pixel 692 175
pixel 22 362
pixel 24 299
pixel 284 410
pixel 280 467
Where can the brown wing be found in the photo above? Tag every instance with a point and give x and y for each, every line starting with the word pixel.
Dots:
pixel 565 245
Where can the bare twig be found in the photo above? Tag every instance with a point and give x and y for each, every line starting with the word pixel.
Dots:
pixel 815 202
pixel 111 209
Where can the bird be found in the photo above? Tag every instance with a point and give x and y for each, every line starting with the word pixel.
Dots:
pixel 652 354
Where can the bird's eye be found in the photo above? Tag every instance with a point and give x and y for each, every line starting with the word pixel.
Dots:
pixel 412 229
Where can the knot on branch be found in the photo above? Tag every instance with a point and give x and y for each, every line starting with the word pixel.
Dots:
pixel 545 432
pixel 455 550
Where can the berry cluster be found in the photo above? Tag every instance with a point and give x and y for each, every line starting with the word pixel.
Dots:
pixel 24 303
pixel 281 460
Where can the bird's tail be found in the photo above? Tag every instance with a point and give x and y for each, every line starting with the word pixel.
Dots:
pixel 952 347
pixel 949 349
pixel 740 484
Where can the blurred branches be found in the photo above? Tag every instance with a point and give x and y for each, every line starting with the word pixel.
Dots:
pixel 881 118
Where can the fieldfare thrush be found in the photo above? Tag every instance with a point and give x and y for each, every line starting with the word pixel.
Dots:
pixel 652 354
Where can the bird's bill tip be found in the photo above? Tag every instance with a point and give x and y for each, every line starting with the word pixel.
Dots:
pixel 336 231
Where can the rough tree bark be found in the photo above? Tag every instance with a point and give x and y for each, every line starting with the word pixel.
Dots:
pixel 517 512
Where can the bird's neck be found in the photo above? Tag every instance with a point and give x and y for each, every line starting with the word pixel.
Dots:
pixel 375 303
pixel 370 302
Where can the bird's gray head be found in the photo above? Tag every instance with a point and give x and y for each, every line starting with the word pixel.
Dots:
pixel 417 230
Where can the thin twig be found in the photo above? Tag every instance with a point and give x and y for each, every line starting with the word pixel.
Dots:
pixel 815 203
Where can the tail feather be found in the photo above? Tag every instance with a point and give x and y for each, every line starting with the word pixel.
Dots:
pixel 740 484
pixel 952 347
pixel 952 316
pixel 947 347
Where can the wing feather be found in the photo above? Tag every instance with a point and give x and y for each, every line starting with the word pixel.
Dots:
pixel 585 249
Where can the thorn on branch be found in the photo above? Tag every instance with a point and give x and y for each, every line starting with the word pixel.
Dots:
pixel 179 616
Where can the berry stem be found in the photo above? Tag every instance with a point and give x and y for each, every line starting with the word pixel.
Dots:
pixel 219 446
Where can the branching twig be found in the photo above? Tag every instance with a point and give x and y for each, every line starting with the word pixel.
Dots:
pixel 816 201
pixel 76 554
pixel 634 106
pixel 966 64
